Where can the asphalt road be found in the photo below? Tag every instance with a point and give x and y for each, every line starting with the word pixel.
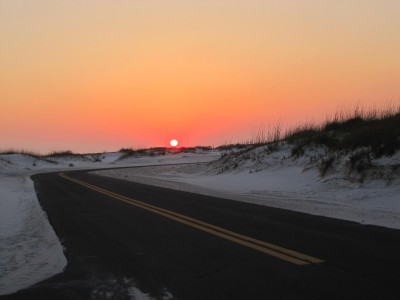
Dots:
pixel 172 244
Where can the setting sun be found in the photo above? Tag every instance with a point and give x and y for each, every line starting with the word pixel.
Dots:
pixel 135 73
pixel 173 143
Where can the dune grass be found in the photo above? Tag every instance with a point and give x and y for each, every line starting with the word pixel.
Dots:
pixel 128 152
pixel 36 154
pixel 19 151
pixel 376 131
pixel 60 153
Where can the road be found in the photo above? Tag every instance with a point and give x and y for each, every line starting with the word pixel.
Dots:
pixel 172 244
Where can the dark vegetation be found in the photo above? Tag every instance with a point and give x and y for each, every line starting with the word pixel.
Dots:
pixel 61 153
pixel 46 157
pixel 356 136
pixel 361 135
pixel 378 133
pixel 128 152
pixel 20 151
pixel 157 151
pixel 38 155
pixel 233 146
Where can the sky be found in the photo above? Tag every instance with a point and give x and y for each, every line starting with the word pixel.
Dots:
pixel 99 75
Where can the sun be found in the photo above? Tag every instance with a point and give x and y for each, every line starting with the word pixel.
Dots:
pixel 173 143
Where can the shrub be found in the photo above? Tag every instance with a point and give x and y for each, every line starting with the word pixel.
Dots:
pixel 298 150
pixel 303 134
pixel 20 151
pixel 360 161
pixel 380 132
pixel 60 153
pixel 326 164
pixel 328 139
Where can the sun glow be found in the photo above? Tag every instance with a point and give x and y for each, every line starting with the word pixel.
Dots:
pixel 173 143
pixel 135 73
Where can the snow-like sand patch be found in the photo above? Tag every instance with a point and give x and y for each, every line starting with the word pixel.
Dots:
pixel 30 251
pixel 283 182
pixel 29 248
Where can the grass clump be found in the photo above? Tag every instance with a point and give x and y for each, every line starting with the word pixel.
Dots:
pixel 195 149
pixel 359 161
pixel 60 153
pixel 128 152
pixel 326 164
pixel 19 151
pixel 378 132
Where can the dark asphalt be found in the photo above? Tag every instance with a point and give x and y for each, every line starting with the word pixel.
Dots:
pixel 111 246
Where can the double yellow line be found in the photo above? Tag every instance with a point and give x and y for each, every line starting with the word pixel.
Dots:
pixel 288 255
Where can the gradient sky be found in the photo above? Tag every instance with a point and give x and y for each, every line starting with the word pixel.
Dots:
pixel 99 75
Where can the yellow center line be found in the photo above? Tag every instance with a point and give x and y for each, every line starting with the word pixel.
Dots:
pixel 267 248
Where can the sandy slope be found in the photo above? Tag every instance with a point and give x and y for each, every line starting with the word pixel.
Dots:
pixel 279 180
pixel 30 251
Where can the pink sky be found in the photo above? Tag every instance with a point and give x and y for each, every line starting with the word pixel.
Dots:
pixel 100 75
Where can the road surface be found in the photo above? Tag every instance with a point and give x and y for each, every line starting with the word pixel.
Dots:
pixel 177 245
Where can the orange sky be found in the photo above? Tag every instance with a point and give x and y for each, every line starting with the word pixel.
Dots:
pixel 99 75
